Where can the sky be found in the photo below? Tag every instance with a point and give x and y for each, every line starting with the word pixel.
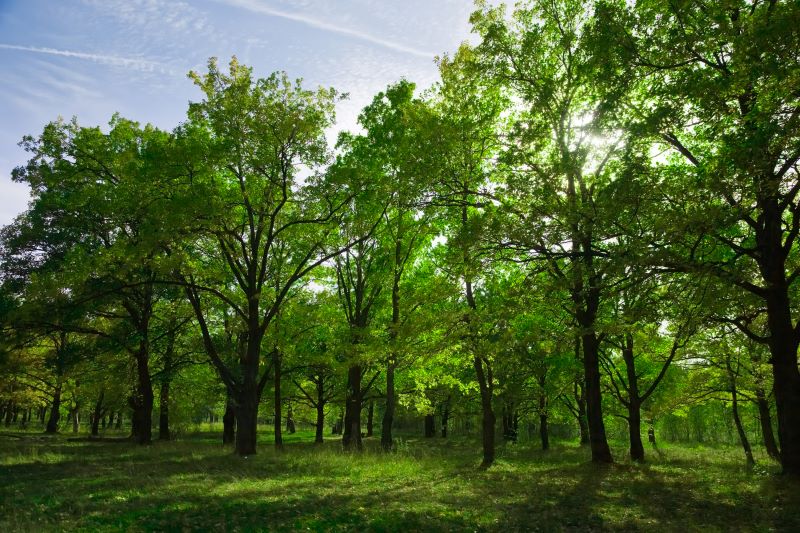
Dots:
pixel 91 58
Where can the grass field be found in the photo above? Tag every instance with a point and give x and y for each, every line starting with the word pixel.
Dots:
pixel 427 485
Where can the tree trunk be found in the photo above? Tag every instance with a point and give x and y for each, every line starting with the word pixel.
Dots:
pixel 766 424
pixel 229 421
pixel 544 433
pixel 370 415
pixel 75 419
pixel 351 439
pixel 290 426
pixel 163 411
pixel 635 431
pixel 388 415
pixel 320 429
pixel 10 413
pixel 119 420
pixel 143 398
pixel 98 414
pixel 276 365
pixel 601 453
pixel 783 339
pixel 55 412
pixel 430 427
pixel 445 416
pixel 634 404
pixel 247 419
pixel 488 416
pixel 748 452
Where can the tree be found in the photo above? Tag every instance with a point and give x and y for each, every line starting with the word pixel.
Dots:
pixel 716 84
pixel 244 148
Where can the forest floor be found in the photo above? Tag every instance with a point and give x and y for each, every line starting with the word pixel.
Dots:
pixel 51 483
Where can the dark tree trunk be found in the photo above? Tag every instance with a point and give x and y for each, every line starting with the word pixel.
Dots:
pixel 488 416
pixel 783 338
pixel 74 414
pixel 55 412
pixel 290 425
pixel 544 433
pixel 651 435
pixel 601 453
pixel 119 420
pixel 635 431
pixel 748 452
pixel 388 414
pixel 246 419
pixel 163 411
pixel 430 427
pixel 229 422
pixel 370 414
pixel 634 404
pixel 98 414
pixel 143 398
pixel 278 427
pixel 10 414
pixel 351 439
pixel 766 424
pixel 320 429
pixel 338 426
pixel 445 416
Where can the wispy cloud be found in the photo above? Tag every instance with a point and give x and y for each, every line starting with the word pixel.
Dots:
pixel 258 7
pixel 124 62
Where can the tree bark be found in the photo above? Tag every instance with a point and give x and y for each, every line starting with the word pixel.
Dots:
pixel 351 439
pixel 765 420
pixel 445 416
pixel 430 427
pixel 601 453
pixel 277 360
pixel 163 411
pixel 55 411
pixel 634 404
pixel 370 413
pixel 229 422
pixel 387 440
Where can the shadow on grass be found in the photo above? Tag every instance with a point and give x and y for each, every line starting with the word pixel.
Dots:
pixel 430 486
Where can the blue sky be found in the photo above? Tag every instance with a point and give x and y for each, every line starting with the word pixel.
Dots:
pixel 91 58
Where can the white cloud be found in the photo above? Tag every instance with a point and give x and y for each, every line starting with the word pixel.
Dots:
pixel 258 7
pixel 125 62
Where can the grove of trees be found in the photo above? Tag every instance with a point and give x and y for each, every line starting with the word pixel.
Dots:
pixel 587 228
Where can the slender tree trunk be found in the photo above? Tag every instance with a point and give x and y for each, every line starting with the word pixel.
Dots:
pixel 276 365
pixel 748 452
pixel 766 424
pixel 98 414
pixel 143 400
pixel 388 414
pixel 351 439
pixel 229 421
pixel 601 453
pixel 544 433
pixel 370 413
pixel 634 404
pixel 290 426
pixel 430 427
pixel 119 420
pixel 10 413
pixel 75 415
pixel 445 416
pixel 488 416
pixel 320 429
pixel 163 411
pixel 55 411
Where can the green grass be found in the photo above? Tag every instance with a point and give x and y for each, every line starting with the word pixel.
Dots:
pixel 428 485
